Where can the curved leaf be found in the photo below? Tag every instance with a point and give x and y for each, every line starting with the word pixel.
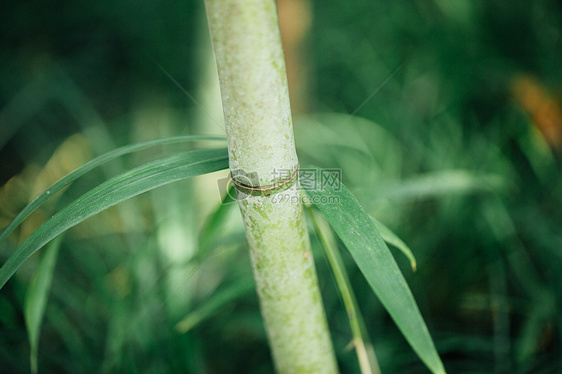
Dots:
pixel 391 238
pixel 122 187
pixel 100 160
pixel 358 232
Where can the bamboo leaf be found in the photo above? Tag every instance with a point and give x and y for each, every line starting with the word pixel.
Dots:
pixel 120 188
pixel 391 238
pixel 37 296
pixel 218 300
pixel 358 232
pixel 366 356
pixel 98 161
pixel 217 221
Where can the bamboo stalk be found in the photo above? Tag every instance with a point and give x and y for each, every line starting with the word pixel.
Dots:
pixel 255 98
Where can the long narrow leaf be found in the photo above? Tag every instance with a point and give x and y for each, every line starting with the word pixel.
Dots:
pixel 37 296
pixel 391 238
pixel 358 232
pixel 217 221
pixel 98 161
pixel 134 182
pixel 366 356
pixel 219 299
pixel 439 183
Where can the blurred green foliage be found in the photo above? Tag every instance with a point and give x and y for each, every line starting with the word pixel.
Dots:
pixel 459 153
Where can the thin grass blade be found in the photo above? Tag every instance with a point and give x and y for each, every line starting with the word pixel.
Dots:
pixel 37 296
pixel 98 161
pixel 218 300
pixel 216 223
pixel 120 188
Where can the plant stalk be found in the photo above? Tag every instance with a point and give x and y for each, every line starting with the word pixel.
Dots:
pixel 249 56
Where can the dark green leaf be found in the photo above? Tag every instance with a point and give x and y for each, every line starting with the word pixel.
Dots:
pixel 358 232
pixel 98 161
pixel 365 353
pixel 37 296
pixel 132 183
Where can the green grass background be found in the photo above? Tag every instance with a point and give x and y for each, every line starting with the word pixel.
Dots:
pixel 443 153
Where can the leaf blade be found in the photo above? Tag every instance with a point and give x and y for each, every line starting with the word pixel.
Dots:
pixel 358 232
pixel 120 188
pixel 366 356
pixel 391 238
pixel 215 302
pixel 92 164
pixel 37 297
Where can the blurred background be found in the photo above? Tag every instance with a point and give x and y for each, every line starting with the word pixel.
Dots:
pixel 445 117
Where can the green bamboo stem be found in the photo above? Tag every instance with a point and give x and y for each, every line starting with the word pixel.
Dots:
pixel 255 98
